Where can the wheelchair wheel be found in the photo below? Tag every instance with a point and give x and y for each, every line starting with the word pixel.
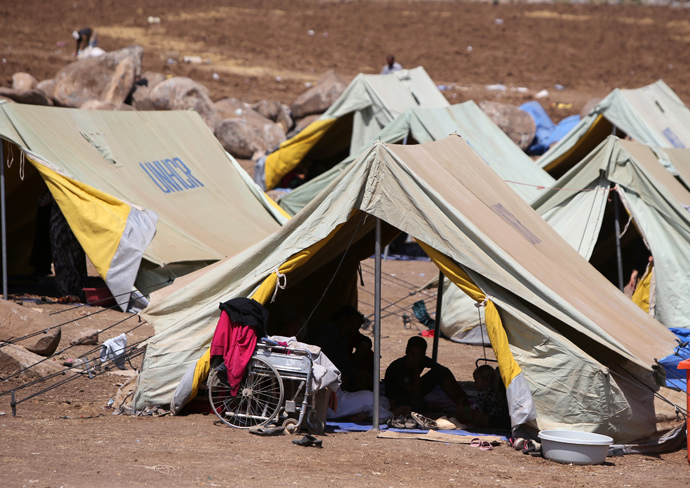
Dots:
pixel 258 400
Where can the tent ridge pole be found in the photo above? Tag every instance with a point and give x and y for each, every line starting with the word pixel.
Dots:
pixel 377 327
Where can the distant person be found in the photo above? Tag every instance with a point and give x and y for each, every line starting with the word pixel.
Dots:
pixel 390 65
pixel 83 38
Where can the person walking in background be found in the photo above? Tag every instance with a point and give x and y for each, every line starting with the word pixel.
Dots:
pixel 83 38
pixel 390 65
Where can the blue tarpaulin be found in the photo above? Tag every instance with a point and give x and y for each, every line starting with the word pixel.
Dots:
pixel 676 378
pixel 547 132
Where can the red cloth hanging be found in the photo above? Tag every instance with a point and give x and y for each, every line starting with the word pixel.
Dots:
pixel 236 343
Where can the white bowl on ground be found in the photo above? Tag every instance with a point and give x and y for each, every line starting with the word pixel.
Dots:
pixel 572 447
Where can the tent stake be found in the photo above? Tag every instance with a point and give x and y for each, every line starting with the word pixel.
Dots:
pixel 437 324
pixel 3 219
pixel 377 327
pixel 619 256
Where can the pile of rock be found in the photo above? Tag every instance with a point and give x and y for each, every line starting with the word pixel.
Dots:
pixel 115 81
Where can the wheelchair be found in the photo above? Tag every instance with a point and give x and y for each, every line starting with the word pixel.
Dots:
pixel 276 388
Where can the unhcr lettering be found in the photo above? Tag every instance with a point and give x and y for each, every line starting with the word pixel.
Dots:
pixel 171 175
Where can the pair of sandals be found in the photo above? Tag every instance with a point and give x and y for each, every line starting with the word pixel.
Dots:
pixel 413 421
pixel 527 446
pixel 308 441
pixel 482 445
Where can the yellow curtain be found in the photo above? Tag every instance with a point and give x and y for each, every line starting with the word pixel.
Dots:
pixel 291 152
pixel 497 335
pixel 641 295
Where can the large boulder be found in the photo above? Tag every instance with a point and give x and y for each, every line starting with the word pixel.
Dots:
pixel 244 135
pixel 515 122
pixel 24 81
pixel 231 108
pixel 20 358
pixel 47 343
pixel 181 93
pixel 277 112
pixel 141 95
pixel 30 97
pixel 47 87
pixel 317 99
pixel 97 78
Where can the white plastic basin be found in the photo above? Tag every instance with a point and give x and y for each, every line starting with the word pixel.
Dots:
pixel 572 447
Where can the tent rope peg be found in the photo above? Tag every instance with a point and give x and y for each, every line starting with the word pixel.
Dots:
pixel 281 282
pixel 483 302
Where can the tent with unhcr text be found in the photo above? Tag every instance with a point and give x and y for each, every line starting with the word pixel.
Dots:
pixel 148 195
pixel 652 115
pixel 368 104
pixel 572 350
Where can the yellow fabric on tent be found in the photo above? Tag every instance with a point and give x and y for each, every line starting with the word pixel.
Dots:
pixel 641 295
pixel 497 335
pixel 96 218
pixel 292 151
pixel 596 133
pixel 201 370
pixel 278 207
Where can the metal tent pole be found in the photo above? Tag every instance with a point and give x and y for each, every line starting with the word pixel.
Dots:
pixel 377 326
pixel 439 308
pixel 3 222
pixel 619 256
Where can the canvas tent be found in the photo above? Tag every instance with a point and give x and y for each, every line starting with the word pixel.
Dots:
pixel 422 125
pixel 155 186
pixel 366 106
pixel 652 115
pixel 572 350
pixel 654 201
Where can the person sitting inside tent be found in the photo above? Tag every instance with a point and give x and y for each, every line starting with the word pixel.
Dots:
pixel 390 65
pixel 491 409
pixel 407 387
pixel 350 351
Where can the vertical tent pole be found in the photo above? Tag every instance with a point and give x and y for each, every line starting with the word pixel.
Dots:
pixel 3 220
pixel 377 326
pixel 619 256
pixel 437 324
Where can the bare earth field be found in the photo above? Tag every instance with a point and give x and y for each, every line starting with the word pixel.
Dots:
pixel 67 437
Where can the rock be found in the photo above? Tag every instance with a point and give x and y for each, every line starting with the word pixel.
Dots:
pixel 589 106
pixel 47 87
pixel 121 82
pixel 47 344
pixel 245 135
pixel 29 97
pixel 516 123
pixel 277 112
pixel 17 321
pixel 317 99
pixel 93 78
pixel 231 108
pixel 24 81
pixel 23 359
pixel 180 93
pixel 301 124
pixel 86 338
pixel 152 78
pixel 98 105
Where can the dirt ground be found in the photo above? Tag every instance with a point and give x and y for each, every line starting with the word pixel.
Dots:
pixel 261 50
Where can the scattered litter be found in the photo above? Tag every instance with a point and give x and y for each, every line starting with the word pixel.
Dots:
pixel 171 61
pixel 153 20
pixel 215 76
pixel 279 79
pixel 60 44
pixel 521 89
pixel 442 87
pixel 325 34
pixel 2 413
pixel 307 84
pixel 238 111
pixel 496 87
pixel 192 59
pixel 4 61
pixel 562 105
pixel 559 87
pixel 542 94
pixel 498 21
pixel 310 32
pixel 469 49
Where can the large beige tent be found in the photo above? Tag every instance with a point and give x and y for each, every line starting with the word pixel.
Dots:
pixel 368 104
pixel 155 186
pixel 573 351
pixel 652 115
